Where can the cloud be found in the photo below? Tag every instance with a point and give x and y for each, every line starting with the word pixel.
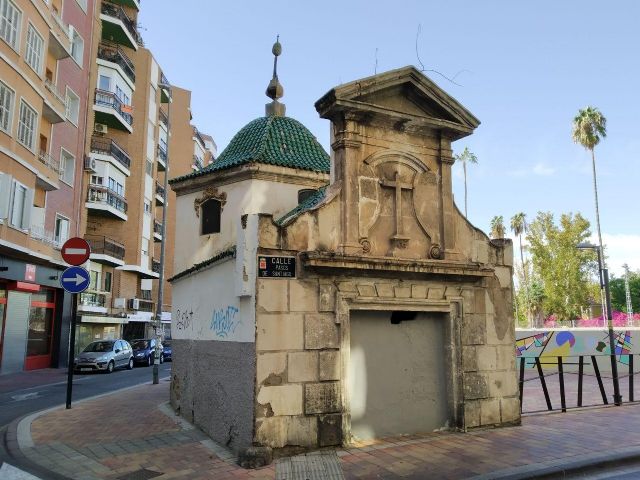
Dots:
pixel 621 249
pixel 539 169
pixel 542 169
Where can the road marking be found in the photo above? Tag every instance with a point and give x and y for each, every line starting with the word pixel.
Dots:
pixel 26 396
pixel 9 472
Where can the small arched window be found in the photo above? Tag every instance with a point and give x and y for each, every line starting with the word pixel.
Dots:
pixel 304 194
pixel 210 217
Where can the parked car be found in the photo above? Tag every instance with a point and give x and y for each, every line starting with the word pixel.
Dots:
pixel 144 351
pixel 104 355
pixel 166 350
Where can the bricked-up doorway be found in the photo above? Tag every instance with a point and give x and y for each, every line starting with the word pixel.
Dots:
pixel 398 375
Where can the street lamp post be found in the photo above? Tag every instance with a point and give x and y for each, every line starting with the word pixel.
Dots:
pixel 163 231
pixel 604 285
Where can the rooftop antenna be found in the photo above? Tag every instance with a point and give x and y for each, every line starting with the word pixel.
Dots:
pixel 628 294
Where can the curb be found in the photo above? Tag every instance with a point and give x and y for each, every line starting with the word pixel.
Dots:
pixel 564 467
pixel 18 436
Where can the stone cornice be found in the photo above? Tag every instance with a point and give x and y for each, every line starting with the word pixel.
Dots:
pixel 332 261
pixel 253 171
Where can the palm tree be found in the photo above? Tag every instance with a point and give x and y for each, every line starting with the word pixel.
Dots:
pixel 589 126
pixel 497 227
pixel 518 227
pixel 466 157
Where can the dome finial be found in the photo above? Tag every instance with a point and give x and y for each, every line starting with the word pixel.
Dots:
pixel 274 89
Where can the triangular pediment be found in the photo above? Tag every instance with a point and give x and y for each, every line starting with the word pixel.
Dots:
pixel 405 94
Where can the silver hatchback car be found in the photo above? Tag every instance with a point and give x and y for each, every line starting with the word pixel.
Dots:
pixel 104 355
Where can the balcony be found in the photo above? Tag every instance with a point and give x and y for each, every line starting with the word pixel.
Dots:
pixel 118 27
pixel 165 90
pixel 105 250
pixel 54 108
pixel 111 111
pixel 157 231
pixel 155 265
pixel 114 54
pixel 161 195
pixel 163 117
pixel 108 150
pixel 198 163
pixel 162 158
pixel 128 3
pixel 104 201
pixel 49 161
pixel 140 305
pixel 59 37
pixel 94 301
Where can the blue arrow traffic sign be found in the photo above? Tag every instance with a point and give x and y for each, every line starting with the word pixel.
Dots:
pixel 75 279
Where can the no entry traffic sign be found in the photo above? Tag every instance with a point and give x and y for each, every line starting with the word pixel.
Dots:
pixel 75 251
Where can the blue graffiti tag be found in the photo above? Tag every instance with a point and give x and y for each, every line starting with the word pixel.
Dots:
pixel 224 322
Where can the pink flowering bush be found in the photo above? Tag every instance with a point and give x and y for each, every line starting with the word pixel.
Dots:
pixel 618 318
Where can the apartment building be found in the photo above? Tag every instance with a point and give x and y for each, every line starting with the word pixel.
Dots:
pixel 136 120
pixel 89 125
pixel 44 70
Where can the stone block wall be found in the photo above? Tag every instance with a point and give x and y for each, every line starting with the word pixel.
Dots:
pixel 299 397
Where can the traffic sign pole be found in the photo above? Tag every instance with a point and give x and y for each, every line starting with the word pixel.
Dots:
pixel 72 347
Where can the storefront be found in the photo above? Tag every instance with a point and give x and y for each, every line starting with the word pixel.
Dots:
pixel 34 317
pixel 92 328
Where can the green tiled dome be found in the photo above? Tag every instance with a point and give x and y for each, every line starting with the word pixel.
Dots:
pixel 273 140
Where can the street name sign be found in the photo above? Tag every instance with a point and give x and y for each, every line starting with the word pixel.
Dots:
pixel 75 279
pixel 75 251
pixel 276 266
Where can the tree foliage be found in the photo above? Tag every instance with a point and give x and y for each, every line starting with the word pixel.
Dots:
pixel 589 126
pixel 561 270
pixel 467 156
pixel 619 293
pixel 497 227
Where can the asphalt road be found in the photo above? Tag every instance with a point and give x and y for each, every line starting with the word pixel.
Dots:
pixel 16 403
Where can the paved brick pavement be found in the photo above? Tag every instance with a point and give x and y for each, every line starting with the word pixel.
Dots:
pixel 120 435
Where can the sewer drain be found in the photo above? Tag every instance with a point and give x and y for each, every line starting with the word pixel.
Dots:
pixel 142 474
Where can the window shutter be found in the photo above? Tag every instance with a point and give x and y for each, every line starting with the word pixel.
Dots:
pixel 5 194
pixel 26 212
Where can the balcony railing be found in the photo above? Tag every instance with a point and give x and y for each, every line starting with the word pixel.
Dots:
pixel 114 54
pixel 140 305
pixel 107 146
pixel 118 12
pixel 105 246
pixel 104 195
pixel 109 99
pixel 155 266
pixel 162 153
pixel 93 299
pixel 38 232
pixel 160 190
pixel 163 117
pixel 49 161
pixel 157 227
pixel 199 138
pixel 198 163
pixel 49 85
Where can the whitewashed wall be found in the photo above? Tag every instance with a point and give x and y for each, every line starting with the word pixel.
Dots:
pixel 246 197
pixel 206 307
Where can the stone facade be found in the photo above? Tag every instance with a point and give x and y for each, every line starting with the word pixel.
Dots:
pixel 384 236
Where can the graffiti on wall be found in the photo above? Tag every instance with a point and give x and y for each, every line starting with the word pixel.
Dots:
pixel 224 321
pixel 569 343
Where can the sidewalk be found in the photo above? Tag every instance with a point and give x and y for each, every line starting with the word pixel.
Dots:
pixel 133 434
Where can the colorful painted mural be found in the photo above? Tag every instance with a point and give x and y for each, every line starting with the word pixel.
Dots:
pixel 564 342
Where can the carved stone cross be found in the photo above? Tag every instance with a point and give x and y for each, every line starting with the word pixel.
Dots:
pixel 396 184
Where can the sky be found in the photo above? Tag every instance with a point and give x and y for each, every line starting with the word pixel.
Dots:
pixel 523 68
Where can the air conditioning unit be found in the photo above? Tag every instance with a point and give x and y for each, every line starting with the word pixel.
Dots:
pixel 133 304
pixel 100 128
pixel 119 302
pixel 90 164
